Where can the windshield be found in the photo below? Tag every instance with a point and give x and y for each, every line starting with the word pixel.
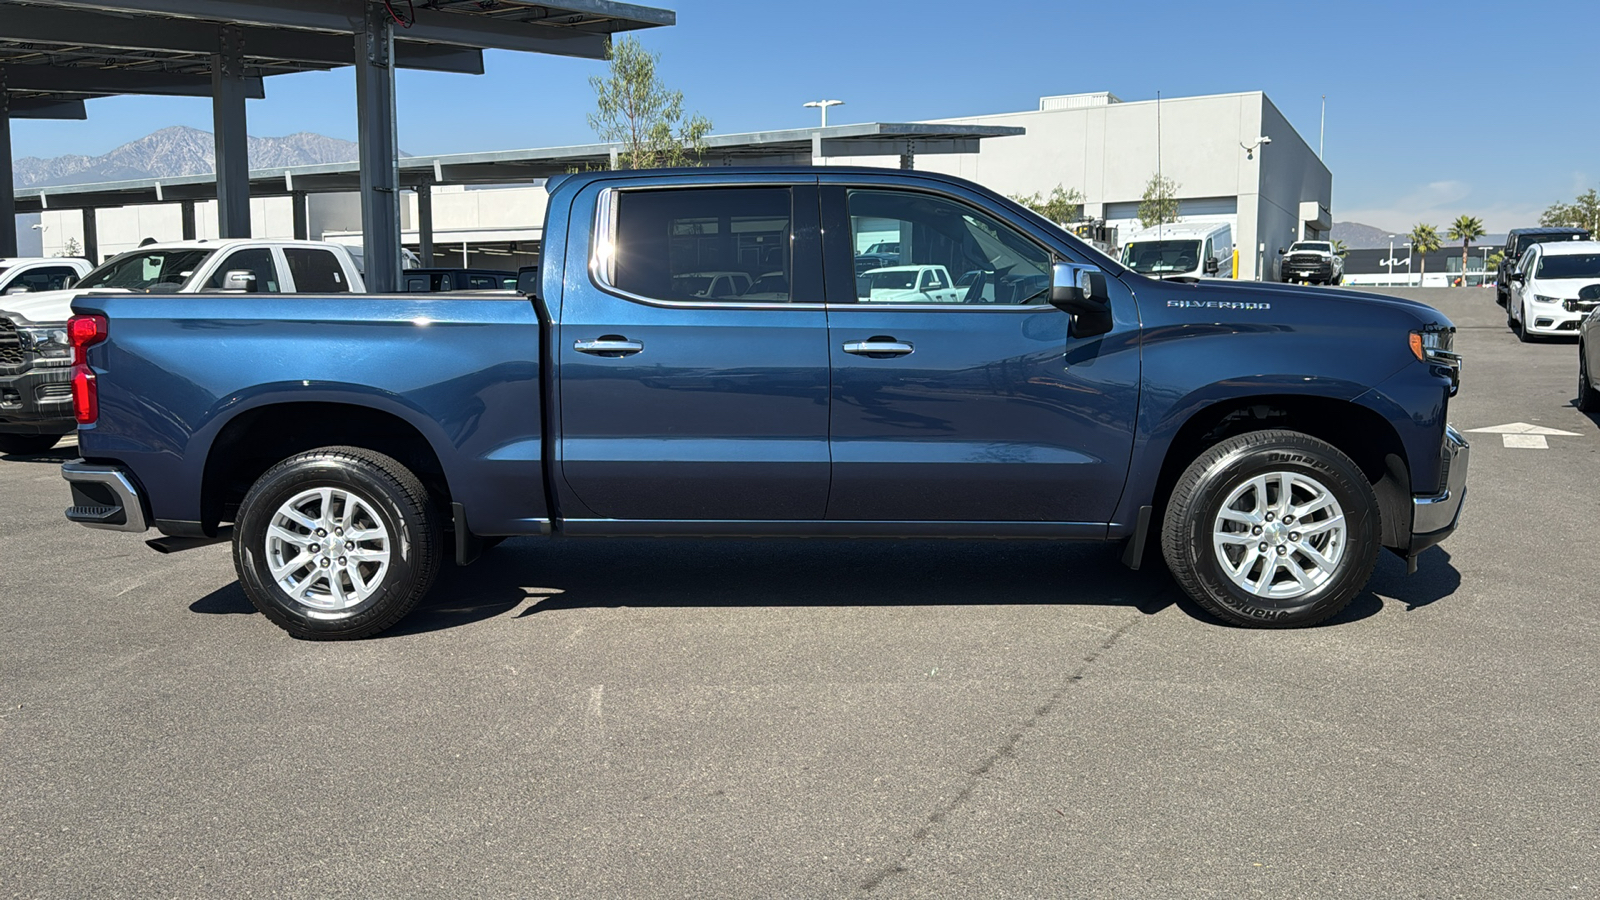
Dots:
pixel 891 279
pixel 1569 265
pixel 884 247
pixel 1156 257
pixel 141 271
pixel 1314 246
pixel 1524 241
pixel 697 285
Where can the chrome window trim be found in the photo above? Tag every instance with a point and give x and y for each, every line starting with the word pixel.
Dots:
pixel 603 271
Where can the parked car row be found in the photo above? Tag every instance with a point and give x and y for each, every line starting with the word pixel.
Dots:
pixel 36 297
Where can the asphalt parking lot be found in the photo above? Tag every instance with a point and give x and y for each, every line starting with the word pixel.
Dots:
pixel 825 719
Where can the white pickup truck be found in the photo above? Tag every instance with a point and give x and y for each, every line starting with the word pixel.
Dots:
pixel 26 275
pixel 35 360
pixel 908 284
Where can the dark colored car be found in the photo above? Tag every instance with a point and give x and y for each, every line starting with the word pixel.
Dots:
pixel 433 281
pixel 1269 439
pixel 1518 240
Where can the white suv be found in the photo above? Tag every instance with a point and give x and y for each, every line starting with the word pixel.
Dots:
pixel 1547 276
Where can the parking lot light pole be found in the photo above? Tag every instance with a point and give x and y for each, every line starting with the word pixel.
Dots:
pixel 823 105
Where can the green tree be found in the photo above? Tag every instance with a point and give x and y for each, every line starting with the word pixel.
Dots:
pixel 1160 206
pixel 1063 205
pixel 1160 202
pixel 1583 212
pixel 1339 248
pixel 636 110
pixel 1465 229
pixel 1424 240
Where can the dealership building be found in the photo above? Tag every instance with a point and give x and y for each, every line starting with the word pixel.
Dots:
pixel 1272 192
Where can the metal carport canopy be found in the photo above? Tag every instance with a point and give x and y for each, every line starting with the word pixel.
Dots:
pixel 514 166
pixel 54 54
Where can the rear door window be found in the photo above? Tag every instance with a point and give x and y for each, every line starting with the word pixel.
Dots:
pixel 703 245
pixel 316 271
pixel 45 278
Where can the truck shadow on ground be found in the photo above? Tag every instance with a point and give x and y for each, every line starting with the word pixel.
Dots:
pixel 534 578
pixel 54 456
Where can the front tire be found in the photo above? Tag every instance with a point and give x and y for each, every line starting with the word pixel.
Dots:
pixel 336 543
pixel 1588 397
pixel 1272 529
pixel 27 444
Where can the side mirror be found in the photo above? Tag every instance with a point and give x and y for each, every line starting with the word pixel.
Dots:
pixel 1282 251
pixel 18 289
pixel 528 281
pixel 239 280
pixel 1519 277
pixel 1213 266
pixel 1081 292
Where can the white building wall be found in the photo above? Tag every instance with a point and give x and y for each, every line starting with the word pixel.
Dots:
pixel 1109 153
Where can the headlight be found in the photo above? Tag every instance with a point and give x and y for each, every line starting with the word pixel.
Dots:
pixel 49 341
pixel 1433 345
pixel 1540 298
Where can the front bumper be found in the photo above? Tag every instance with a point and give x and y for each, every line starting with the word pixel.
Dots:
pixel 37 400
pixel 1434 518
pixel 1551 318
pixel 104 497
pixel 1307 272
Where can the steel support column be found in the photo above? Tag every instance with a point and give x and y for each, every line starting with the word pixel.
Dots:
pixel 380 157
pixel 228 124
pixel 301 227
pixel 425 221
pixel 91 236
pixel 8 196
pixel 187 208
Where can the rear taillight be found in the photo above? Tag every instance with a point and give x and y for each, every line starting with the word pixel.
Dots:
pixel 84 332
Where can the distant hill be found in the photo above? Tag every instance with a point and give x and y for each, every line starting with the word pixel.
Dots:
pixel 1357 236
pixel 176 151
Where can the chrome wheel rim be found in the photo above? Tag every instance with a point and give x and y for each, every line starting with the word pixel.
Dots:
pixel 1280 536
pixel 327 549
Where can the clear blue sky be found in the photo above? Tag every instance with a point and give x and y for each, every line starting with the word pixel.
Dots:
pixel 1434 109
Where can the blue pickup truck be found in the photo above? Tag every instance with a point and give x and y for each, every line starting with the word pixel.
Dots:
pixel 1269 439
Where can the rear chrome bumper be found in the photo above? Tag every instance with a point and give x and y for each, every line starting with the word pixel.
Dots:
pixel 1433 518
pixel 104 497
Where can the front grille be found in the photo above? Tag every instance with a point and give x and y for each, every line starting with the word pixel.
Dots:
pixel 11 355
pixel 1306 260
pixel 54 393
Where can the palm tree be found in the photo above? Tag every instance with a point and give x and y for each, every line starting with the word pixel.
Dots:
pixel 1465 229
pixel 1424 240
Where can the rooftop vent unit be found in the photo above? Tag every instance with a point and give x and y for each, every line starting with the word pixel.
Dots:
pixel 1078 101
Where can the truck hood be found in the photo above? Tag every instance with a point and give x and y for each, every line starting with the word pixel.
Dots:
pixel 1287 301
pixel 43 307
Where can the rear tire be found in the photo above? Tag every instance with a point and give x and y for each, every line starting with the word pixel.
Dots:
pixel 336 543
pixel 27 444
pixel 1231 502
pixel 1588 397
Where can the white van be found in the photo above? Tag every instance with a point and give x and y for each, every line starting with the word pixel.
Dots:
pixel 1184 249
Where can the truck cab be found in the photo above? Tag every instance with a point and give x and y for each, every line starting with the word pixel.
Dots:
pixel 21 275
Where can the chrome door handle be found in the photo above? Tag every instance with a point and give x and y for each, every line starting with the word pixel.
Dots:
pixel 608 346
pixel 868 348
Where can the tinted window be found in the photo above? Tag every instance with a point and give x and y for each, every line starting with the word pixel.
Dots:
pixel 958 241
pixel 1159 257
pixel 255 260
pixel 1569 265
pixel 698 245
pixel 315 271
pixel 49 278
pixel 483 283
pixel 138 271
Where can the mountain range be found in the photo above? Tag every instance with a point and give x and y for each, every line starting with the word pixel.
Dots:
pixel 1357 236
pixel 176 151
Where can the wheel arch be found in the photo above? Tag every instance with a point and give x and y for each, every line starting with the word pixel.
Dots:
pixel 254 439
pixel 1359 432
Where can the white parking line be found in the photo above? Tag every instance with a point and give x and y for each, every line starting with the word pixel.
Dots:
pixel 1526 441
